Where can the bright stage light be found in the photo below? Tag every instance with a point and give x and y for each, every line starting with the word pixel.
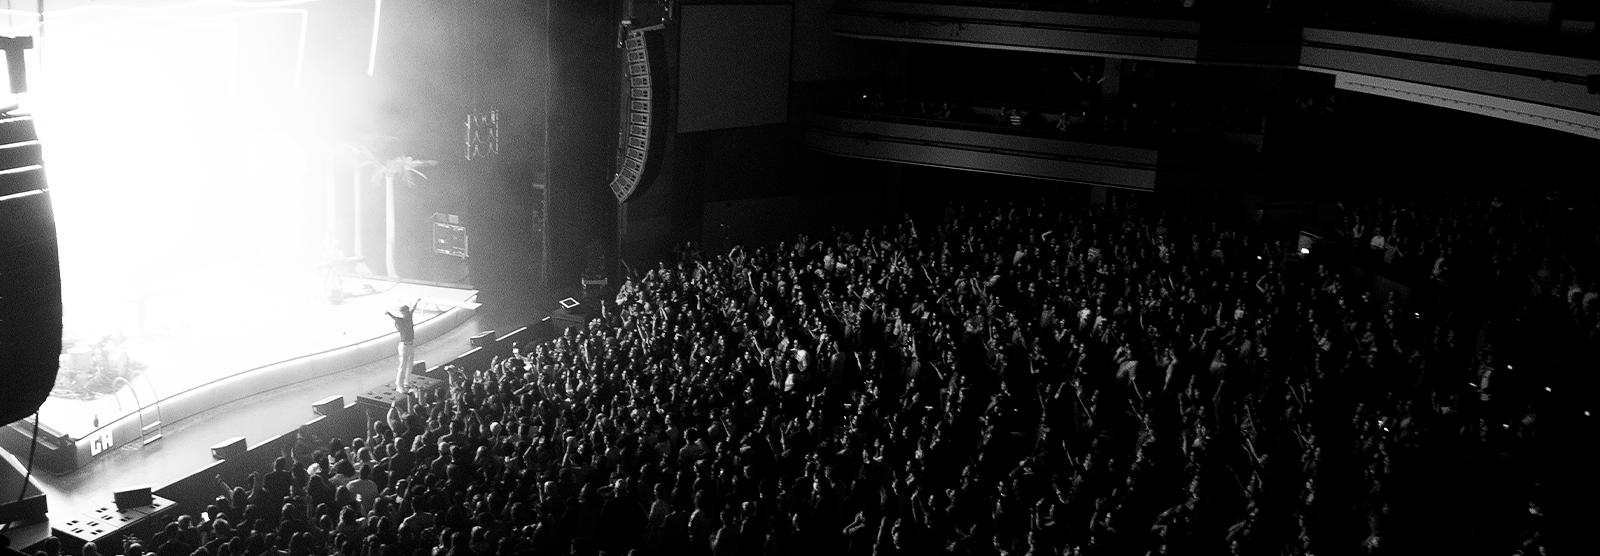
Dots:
pixel 281 156
pixel 175 146
pixel 1305 251
pixel 152 24
pixel 87 8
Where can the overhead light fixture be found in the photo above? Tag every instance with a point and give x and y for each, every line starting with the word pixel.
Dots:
pixel 372 53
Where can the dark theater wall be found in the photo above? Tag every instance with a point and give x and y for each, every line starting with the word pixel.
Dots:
pixel 583 133
pixel 733 65
pixel 508 57
pixel 820 55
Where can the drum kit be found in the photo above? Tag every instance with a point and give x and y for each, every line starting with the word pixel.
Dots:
pixel 91 368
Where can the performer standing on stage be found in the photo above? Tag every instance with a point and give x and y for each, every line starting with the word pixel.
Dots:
pixel 408 351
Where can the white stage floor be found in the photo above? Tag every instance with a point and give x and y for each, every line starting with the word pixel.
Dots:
pixel 202 334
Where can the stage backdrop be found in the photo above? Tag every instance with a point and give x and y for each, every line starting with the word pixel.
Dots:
pixel 733 66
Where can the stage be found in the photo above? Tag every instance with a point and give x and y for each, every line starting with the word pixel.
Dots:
pixel 214 342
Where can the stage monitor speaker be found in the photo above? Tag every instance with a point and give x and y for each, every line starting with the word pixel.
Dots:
pixel 139 496
pixel 595 288
pixel 567 318
pixel 482 339
pixel 230 448
pixel 328 405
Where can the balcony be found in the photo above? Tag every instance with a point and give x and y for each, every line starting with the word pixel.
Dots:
pixel 1158 36
pixel 1095 145
pixel 1546 83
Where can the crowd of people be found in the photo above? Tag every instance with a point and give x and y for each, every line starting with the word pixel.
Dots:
pixel 1004 380
pixel 1535 252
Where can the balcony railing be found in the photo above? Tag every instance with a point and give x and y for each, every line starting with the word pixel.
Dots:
pixel 1205 128
pixel 1552 27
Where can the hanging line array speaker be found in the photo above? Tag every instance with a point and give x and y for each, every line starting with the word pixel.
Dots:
pixel 640 141
pixel 30 275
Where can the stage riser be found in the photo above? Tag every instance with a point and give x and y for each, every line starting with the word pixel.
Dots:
pixel 107 525
pixel 379 399
pixel 228 390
